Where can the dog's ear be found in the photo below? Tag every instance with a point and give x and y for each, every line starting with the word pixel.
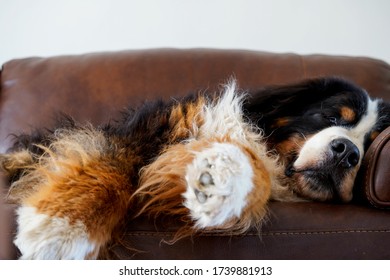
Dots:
pixel 278 102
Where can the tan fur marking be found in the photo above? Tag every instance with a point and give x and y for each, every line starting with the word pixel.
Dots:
pixel 347 114
pixel 177 121
pixel 186 118
pixel 291 145
pixel 374 135
pixel 281 122
pixel 303 188
pixel 13 162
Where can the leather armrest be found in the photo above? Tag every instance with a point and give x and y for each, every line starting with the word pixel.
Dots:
pixel 374 177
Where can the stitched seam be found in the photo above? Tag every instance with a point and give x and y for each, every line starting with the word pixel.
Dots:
pixel 157 234
pixel 325 232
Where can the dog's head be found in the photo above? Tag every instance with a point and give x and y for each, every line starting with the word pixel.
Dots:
pixel 320 129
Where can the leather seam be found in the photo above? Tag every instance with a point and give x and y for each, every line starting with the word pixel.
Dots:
pixel 325 232
pixel 157 234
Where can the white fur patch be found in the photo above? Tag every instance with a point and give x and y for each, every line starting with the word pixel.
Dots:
pixel 367 122
pixel 225 117
pixel 43 237
pixel 218 182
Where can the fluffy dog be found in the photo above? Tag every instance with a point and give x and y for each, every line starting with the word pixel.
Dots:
pixel 212 160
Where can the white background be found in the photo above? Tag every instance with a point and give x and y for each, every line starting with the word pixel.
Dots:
pixel 52 27
pixel 281 270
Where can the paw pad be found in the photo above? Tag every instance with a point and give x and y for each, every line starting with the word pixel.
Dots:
pixel 218 181
pixel 206 179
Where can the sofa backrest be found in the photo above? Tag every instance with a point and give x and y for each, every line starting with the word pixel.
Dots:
pixel 95 87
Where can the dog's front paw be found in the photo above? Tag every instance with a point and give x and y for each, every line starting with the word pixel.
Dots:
pixel 218 182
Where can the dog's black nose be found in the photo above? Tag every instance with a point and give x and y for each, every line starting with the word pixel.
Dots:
pixel 346 154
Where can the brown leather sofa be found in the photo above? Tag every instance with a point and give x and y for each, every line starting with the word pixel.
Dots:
pixel 95 87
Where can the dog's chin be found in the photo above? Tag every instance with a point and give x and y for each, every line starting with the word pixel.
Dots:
pixel 315 185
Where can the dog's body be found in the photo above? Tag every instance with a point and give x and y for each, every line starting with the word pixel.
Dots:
pixel 213 161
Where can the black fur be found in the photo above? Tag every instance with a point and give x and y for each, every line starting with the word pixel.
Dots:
pixel 310 106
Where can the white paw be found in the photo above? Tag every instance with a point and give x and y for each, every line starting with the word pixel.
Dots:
pixel 43 237
pixel 218 182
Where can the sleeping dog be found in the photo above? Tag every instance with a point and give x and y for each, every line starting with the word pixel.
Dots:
pixel 212 160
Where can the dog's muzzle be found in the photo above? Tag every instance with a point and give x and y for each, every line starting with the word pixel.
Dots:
pixel 330 172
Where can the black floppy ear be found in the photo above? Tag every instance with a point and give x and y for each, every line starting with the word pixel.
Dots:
pixel 275 102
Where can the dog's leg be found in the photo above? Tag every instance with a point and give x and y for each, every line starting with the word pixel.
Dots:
pixel 213 184
pixel 81 194
pixel 218 182
pixel 228 183
pixel 219 178
pixel 72 216
pixel 228 187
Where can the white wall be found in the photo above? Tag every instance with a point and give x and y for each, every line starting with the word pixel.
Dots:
pixel 50 27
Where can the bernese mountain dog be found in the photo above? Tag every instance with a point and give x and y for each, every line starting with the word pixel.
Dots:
pixel 211 160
